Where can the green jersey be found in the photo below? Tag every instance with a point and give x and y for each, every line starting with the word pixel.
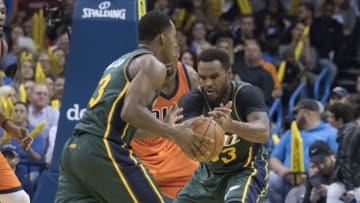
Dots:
pixel 102 116
pixel 237 153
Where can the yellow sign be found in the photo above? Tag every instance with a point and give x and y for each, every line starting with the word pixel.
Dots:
pixel 141 8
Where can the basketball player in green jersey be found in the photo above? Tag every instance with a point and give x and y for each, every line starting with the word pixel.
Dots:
pixel 97 164
pixel 240 172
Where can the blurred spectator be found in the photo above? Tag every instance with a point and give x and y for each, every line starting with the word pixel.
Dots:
pixel 338 114
pixel 162 5
pixel 28 174
pixel 223 29
pixel 9 152
pixel 28 87
pixel 253 72
pixel 294 74
pixel 44 60
pixel 188 58
pixel 308 56
pixel 25 71
pixel 199 42
pixel 345 15
pixel 59 87
pixel 182 41
pixel 308 118
pixel 60 54
pixel 226 44
pixel 8 91
pixel 270 68
pixel 339 94
pixel 50 84
pixel 306 13
pixel 40 111
pixel 347 170
pixel 326 34
pixel 322 165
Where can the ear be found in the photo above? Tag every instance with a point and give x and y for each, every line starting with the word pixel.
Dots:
pixel 229 73
pixel 162 38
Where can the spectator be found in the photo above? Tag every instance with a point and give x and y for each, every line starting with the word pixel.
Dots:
pixel 322 166
pixel 339 94
pixel 199 42
pixel 253 72
pixel 27 173
pixel 308 118
pixel 338 114
pixel 347 185
pixel 40 111
pixel 188 58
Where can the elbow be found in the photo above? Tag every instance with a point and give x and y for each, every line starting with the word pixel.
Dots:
pixel 126 115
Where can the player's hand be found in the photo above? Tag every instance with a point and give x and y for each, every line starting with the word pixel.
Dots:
pixel 222 115
pixel 193 144
pixel 20 134
pixel 174 115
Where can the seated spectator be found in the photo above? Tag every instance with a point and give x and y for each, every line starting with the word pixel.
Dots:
pixel 253 72
pixel 27 173
pixel 338 114
pixel 322 165
pixel 308 55
pixel 188 58
pixel 339 94
pixel 347 172
pixel 312 129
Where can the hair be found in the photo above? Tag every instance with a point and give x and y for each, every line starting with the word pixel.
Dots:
pixel 309 6
pixel 215 54
pixel 153 24
pixel 22 103
pixel 342 111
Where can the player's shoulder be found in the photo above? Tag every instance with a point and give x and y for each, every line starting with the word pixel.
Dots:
pixel 193 95
pixel 244 88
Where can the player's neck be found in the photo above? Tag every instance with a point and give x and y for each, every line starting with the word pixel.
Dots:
pixel 170 85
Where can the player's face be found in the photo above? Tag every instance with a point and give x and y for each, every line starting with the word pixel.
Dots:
pixel 169 49
pixel 214 80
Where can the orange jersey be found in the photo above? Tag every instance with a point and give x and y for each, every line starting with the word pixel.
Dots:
pixel 8 180
pixel 171 168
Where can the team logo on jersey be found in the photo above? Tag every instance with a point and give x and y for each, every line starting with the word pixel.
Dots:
pixel 104 11
pixel 231 139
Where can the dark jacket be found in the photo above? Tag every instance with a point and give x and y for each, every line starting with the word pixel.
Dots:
pixel 347 168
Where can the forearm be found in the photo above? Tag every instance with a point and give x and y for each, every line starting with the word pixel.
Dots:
pixel 34 155
pixel 143 134
pixel 277 166
pixel 251 131
pixel 141 118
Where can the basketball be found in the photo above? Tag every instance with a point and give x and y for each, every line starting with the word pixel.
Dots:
pixel 208 127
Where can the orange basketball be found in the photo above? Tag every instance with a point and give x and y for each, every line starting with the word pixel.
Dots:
pixel 208 127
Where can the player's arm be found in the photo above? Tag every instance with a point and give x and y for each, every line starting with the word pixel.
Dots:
pixel 192 104
pixel 257 126
pixel 142 90
pixel 148 79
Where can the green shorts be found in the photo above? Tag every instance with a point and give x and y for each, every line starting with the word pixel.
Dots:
pixel 246 185
pixel 97 170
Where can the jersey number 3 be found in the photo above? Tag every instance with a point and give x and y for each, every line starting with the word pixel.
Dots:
pixel 102 84
pixel 227 155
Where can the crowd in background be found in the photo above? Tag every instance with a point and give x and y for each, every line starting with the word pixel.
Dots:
pixel 273 44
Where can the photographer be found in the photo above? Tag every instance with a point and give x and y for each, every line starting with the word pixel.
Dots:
pixel 322 165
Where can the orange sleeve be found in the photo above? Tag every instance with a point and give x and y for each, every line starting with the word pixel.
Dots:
pixel 272 70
